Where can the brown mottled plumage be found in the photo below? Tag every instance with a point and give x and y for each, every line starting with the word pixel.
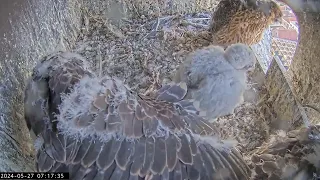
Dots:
pixel 294 155
pixel 242 21
pixel 96 128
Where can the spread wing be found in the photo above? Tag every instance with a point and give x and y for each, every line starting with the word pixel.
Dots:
pixel 98 129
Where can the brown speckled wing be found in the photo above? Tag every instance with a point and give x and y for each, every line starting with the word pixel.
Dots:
pixel 121 135
pixel 223 13
pixel 175 93
pixel 56 74
pixel 293 156
pixel 172 92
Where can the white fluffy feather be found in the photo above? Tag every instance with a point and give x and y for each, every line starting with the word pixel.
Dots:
pixel 217 79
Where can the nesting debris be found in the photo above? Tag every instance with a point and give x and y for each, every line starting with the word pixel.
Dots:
pixel 245 125
pixel 288 155
pixel 138 50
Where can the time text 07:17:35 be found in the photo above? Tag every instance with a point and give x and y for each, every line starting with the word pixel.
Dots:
pixel 33 175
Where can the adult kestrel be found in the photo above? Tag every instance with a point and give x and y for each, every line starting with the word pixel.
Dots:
pixel 97 128
pixel 242 21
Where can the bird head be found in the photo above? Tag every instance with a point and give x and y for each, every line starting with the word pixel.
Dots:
pixel 240 56
pixel 276 13
pixel 270 9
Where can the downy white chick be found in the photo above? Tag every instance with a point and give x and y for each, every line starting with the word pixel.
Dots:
pixel 217 78
pixel 97 128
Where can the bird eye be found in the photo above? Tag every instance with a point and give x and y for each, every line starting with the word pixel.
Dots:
pixel 178 106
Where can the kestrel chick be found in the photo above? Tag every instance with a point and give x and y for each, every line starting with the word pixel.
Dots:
pixel 217 78
pixel 293 155
pixel 97 128
pixel 240 57
pixel 242 21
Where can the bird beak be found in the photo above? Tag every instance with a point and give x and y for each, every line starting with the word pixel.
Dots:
pixel 279 20
pixel 249 68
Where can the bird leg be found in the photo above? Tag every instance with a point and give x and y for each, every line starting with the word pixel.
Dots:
pixel 155 85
